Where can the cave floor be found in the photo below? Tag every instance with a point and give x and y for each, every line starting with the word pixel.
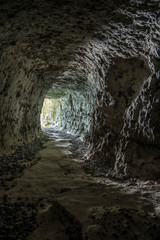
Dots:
pixel 71 204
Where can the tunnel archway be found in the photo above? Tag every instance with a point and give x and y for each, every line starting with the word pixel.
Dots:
pixel 69 109
pixel 91 68
pixel 85 54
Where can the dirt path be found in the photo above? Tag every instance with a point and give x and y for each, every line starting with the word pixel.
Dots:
pixel 71 204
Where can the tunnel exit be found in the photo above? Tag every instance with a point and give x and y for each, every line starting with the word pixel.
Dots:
pixel 69 110
pixel 50 114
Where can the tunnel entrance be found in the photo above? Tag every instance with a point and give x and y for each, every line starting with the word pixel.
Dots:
pixel 69 110
pixel 50 114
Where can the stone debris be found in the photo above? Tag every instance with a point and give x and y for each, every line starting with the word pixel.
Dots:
pixel 122 223
pixel 17 220
pixel 12 167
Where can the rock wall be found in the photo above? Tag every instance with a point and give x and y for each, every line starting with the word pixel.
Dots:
pixel 20 101
pixel 105 53
pixel 77 113
pixel 125 128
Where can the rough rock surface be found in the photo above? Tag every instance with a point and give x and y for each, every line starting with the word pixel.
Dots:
pixel 109 49
pixel 11 167
pixel 116 223
pixel 56 199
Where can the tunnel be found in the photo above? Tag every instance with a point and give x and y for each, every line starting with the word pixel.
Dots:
pixel 69 109
pixel 88 71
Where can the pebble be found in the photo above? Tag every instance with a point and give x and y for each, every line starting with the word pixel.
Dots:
pixel 121 223
pixel 15 222
pixel 11 164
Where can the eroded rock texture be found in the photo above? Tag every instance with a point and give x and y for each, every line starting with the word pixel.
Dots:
pixel 106 54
